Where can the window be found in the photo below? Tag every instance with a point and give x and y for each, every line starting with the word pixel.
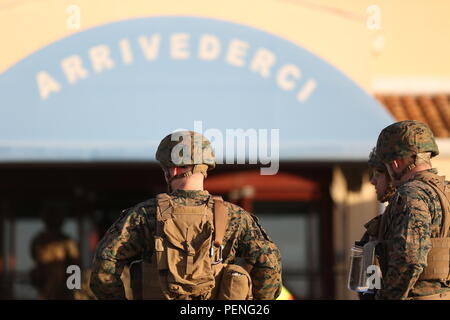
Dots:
pixel 294 227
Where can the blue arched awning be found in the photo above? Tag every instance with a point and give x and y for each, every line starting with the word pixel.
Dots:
pixel 114 91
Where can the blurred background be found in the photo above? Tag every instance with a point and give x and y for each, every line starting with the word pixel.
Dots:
pixel 89 88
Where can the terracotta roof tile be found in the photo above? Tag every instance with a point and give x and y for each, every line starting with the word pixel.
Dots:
pixel 433 110
pixel 443 105
pixel 394 105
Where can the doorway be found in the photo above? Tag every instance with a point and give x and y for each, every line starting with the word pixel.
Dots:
pixel 294 207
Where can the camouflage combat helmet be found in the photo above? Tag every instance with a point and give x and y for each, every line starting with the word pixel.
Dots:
pixel 185 148
pixel 405 138
pixel 374 161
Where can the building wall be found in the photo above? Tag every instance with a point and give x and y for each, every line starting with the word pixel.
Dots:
pixel 415 38
pixel 313 25
pixel 367 40
pixel 443 165
pixel 352 209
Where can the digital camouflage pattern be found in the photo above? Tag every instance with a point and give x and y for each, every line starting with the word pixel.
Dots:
pixel 372 229
pixel 405 138
pixel 184 148
pixel 412 218
pixel 131 238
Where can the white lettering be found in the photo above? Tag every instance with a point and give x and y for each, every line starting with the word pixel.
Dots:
pixel 216 138
pixel 150 48
pixel 194 310
pixel 179 46
pixel 236 52
pixel 125 50
pixel 74 280
pixel 285 74
pixel 306 91
pixel 74 20
pixel 374 18
pixel 209 47
pixel 251 144
pixel 262 62
pixel 241 137
pixel 374 279
pixel 100 58
pixel 46 84
pixel 274 158
pixel 181 152
pixel 73 69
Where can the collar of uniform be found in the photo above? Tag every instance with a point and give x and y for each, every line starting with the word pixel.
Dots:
pixel 416 176
pixel 420 173
pixel 190 193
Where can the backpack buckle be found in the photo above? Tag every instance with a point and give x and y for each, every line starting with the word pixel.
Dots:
pixel 220 254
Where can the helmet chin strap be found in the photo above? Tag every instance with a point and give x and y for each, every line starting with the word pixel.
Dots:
pixel 399 175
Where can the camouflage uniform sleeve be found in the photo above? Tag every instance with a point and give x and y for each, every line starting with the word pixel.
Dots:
pixel 409 245
pixel 258 250
pixel 122 244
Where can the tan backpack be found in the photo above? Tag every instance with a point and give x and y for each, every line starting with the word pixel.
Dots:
pixel 188 251
pixel 438 259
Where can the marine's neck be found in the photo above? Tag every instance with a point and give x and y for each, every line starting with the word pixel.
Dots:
pixel 187 184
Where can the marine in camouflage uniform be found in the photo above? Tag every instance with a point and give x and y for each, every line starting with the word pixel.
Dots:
pixel 381 180
pixel 414 216
pixel 131 236
pixel 379 177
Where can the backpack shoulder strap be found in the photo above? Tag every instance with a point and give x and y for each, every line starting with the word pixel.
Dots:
pixel 443 192
pixel 220 219
pixel 163 210
pixel 163 203
pixel 446 212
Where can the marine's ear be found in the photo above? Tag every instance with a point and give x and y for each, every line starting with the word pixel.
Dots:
pixel 397 163
pixel 173 171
